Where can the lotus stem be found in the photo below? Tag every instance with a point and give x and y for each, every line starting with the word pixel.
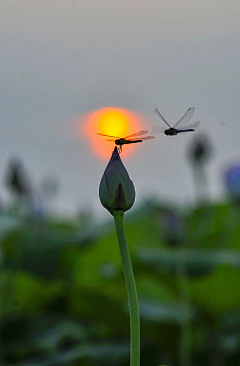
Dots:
pixel 131 290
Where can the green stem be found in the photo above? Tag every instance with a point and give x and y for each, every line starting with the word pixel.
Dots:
pixel 186 334
pixel 131 290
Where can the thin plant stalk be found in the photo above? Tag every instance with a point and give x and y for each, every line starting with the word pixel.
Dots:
pixel 131 290
pixel 186 334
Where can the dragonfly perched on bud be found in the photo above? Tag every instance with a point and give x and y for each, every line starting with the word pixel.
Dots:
pixel 120 141
pixel 179 126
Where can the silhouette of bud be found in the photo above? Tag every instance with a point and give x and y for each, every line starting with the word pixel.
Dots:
pixel 116 190
pixel 199 153
pixel 200 150
pixel 16 179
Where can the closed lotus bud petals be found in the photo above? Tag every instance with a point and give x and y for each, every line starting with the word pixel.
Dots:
pixel 116 190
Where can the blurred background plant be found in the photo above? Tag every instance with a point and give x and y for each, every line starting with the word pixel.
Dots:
pixel 199 154
pixel 63 297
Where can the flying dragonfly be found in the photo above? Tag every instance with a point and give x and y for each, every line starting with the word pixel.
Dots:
pixel 179 126
pixel 120 141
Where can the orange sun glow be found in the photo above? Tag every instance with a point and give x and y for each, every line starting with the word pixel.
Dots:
pixel 114 122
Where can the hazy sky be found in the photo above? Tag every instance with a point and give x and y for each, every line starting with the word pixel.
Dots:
pixel 61 59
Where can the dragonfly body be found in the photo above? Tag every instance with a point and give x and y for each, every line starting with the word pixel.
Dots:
pixel 120 141
pixel 173 131
pixel 123 141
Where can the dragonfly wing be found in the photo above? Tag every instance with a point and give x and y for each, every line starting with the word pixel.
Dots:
pixel 115 137
pixel 185 118
pixel 157 129
pixel 142 138
pixel 148 137
pixel 157 111
pixel 192 125
pixel 137 134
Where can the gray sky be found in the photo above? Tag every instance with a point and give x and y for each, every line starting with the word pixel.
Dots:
pixel 61 59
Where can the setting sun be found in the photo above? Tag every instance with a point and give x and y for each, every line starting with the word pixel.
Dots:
pixel 111 121
pixel 114 123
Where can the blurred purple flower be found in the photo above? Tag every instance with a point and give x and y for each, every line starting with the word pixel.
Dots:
pixel 232 180
pixel 172 228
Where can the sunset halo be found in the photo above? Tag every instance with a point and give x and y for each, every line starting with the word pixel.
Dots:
pixel 111 121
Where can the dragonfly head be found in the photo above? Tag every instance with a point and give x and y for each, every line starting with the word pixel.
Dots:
pixel 170 132
pixel 119 141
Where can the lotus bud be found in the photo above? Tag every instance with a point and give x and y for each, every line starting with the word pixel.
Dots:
pixel 116 190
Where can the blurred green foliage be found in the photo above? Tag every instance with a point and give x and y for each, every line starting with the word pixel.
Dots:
pixel 63 298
